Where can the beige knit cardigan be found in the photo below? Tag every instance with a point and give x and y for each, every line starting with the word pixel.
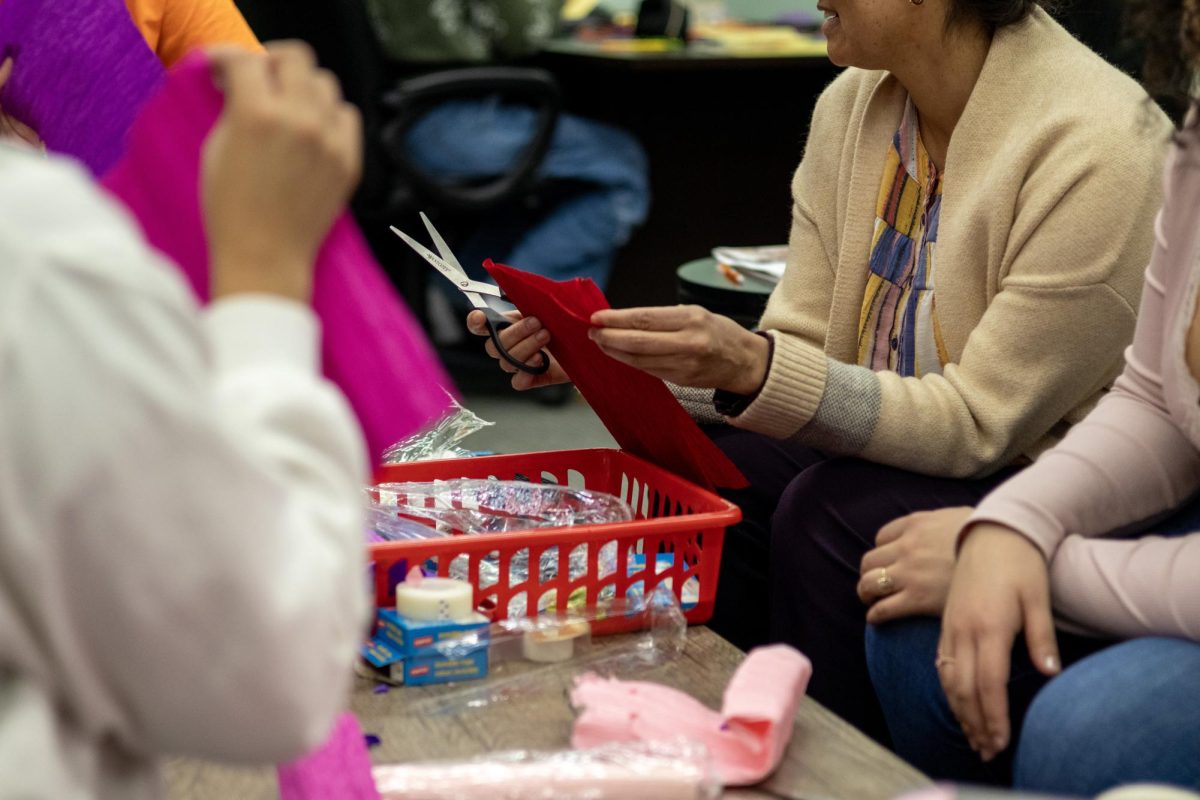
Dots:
pixel 1052 180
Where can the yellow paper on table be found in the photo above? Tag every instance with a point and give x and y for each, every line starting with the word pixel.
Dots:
pixel 765 40
pixel 648 44
pixel 578 9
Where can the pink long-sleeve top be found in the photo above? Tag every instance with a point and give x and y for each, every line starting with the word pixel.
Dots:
pixel 1133 460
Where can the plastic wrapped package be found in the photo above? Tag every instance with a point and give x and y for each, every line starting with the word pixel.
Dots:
pixel 659 771
pixel 384 526
pixel 440 441
pixel 470 506
pixel 493 506
pixel 661 637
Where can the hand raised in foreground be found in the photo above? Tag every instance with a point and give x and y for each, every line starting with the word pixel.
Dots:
pixel 278 167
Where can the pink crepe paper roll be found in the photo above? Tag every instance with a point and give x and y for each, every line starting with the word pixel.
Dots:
pixel 746 740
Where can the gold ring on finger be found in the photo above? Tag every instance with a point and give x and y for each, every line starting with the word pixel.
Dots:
pixel 884 583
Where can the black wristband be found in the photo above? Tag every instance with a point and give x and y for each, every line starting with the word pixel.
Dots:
pixel 730 404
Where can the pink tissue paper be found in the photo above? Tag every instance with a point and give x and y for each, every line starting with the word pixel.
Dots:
pixel 372 347
pixel 746 739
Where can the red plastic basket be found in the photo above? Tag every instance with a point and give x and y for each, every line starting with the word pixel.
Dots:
pixel 671 516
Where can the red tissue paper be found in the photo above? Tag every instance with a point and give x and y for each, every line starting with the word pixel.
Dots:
pixel 638 409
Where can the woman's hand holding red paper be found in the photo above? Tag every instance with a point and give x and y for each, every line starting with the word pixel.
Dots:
pixel 687 345
pixel 523 339
pixel 683 344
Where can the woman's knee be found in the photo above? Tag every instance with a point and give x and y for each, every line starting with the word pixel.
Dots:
pixel 900 658
pixel 1125 714
pixel 822 508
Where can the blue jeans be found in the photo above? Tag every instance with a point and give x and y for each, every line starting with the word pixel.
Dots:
pixel 1126 714
pixel 1118 713
pixel 577 236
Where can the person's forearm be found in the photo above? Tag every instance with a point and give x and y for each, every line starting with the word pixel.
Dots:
pixel 1129 588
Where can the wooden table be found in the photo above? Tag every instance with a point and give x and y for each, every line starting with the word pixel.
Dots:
pixel 827 758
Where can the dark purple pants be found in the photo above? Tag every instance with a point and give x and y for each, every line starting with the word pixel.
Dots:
pixel 789 569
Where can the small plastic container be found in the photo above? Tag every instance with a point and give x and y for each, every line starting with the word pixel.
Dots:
pixel 672 516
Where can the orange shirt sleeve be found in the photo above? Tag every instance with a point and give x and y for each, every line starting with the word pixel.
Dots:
pixel 173 28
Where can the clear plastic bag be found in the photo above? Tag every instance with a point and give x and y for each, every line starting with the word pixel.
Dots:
pixel 470 506
pixel 440 441
pixel 490 506
pixel 679 770
pixel 385 526
pixel 661 637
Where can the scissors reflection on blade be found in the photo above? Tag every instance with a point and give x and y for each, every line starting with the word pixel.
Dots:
pixel 476 293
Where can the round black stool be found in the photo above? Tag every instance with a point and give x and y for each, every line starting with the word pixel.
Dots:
pixel 701 283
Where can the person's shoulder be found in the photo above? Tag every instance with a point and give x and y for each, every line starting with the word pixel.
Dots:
pixel 1055 82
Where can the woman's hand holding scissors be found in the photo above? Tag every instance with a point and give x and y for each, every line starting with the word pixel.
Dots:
pixel 523 339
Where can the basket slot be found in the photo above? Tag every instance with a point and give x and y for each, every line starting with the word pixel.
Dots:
pixel 518 604
pixel 579 552
pixel 492 577
pixel 643 503
pixel 510 566
pixel 575 479
pixel 595 567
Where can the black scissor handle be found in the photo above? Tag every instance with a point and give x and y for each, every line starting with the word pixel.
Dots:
pixel 497 322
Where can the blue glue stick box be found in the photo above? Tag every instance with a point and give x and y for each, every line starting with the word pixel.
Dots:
pixel 429 651
pixel 422 670
pixel 414 638
pixel 378 652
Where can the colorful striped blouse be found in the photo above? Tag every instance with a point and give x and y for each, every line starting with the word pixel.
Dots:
pixel 898 328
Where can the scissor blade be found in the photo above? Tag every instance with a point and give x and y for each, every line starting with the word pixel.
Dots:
pixel 451 271
pixel 440 243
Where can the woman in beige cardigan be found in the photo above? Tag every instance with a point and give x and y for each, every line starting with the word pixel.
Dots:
pixel 971 219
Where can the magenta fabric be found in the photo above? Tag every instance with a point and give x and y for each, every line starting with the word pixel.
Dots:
pixel 82 76
pixel 372 347
pixel 81 71
pixel 746 739
pixel 338 770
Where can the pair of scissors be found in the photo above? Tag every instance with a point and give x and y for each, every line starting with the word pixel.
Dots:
pixel 476 293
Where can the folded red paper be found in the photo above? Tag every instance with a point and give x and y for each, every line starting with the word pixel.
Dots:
pixel 638 409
